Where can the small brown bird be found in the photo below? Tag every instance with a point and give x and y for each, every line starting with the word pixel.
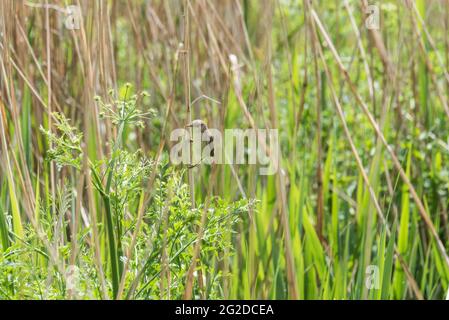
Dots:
pixel 200 124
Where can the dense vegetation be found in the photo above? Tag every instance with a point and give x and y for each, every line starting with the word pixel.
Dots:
pixel 92 208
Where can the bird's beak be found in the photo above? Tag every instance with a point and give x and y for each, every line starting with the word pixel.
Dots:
pixel 189 125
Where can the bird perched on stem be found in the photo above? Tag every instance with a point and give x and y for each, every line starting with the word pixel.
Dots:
pixel 205 137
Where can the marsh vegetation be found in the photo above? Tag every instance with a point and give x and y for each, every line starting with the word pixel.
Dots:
pixel 92 208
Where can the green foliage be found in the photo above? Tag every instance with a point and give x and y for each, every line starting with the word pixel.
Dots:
pixel 128 222
pixel 169 232
pixel 65 145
